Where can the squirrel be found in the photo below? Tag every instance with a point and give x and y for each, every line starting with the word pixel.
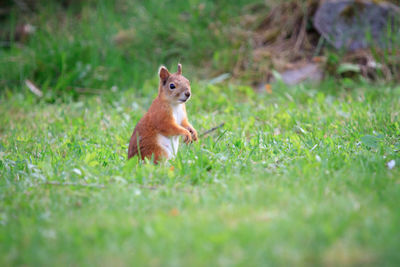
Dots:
pixel 158 131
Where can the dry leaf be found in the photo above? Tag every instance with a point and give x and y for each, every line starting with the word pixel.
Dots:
pixel 174 212
pixel 268 88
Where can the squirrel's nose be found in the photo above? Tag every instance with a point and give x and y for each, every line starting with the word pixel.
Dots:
pixel 187 94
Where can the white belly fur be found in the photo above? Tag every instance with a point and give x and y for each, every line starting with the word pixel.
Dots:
pixel 171 144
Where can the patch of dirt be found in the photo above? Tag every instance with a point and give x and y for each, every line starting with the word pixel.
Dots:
pixel 283 38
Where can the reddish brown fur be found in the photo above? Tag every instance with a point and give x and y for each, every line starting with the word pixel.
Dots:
pixel 159 118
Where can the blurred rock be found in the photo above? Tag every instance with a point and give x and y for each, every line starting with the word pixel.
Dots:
pixel 310 72
pixel 348 23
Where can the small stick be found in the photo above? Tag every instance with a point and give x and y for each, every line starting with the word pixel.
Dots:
pixel 212 129
pixel 34 89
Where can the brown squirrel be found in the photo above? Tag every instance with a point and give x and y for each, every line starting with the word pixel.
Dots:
pixel 157 133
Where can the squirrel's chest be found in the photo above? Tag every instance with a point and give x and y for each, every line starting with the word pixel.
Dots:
pixel 178 114
pixel 170 144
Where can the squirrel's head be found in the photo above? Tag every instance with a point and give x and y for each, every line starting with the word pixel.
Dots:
pixel 174 87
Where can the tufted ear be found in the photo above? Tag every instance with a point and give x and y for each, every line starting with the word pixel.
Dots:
pixel 179 68
pixel 164 74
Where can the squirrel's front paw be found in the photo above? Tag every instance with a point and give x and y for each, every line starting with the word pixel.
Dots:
pixel 188 137
pixel 193 133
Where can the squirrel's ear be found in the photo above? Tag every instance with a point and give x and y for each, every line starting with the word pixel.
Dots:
pixel 164 74
pixel 179 68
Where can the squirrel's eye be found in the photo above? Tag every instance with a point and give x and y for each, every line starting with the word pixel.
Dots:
pixel 172 86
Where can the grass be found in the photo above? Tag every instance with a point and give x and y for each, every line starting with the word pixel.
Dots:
pixel 296 177
pixel 299 176
pixel 89 44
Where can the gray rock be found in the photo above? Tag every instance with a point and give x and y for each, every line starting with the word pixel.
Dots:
pixel 310 72
pixel 355 24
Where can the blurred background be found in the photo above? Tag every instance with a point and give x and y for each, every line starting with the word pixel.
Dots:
pixel 77 47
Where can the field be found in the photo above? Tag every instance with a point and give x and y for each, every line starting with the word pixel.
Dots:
pixel 306 175
pixel 298 176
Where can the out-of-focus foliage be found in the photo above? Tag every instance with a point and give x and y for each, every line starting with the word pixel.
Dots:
pixel 99 44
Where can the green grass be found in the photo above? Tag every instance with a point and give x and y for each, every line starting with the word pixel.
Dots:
pixel 296 177
pixel 101 44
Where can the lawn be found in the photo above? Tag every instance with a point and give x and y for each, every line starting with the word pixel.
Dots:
pixel 299 176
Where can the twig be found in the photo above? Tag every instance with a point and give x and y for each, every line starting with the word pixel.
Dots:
pixel 74 184
pixel 212 129
pixel 34 89
pixel 302 33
